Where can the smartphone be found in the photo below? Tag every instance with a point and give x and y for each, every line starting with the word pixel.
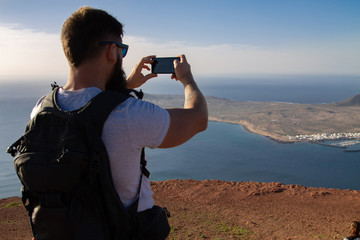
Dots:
pixel 163 65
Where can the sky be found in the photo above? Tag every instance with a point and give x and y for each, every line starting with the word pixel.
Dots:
pixel 219 38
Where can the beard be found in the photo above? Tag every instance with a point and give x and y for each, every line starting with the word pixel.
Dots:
pixel 117 79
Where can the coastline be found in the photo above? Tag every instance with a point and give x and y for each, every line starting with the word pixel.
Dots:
pixel 279 121
pixel 248 128
pixel 286 140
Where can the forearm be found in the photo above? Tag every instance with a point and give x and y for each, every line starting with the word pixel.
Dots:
pixel 195 101
pixel 193 118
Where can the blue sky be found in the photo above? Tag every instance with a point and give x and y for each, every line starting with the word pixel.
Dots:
pixel 233 37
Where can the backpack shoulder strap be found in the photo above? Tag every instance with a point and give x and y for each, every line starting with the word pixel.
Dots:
pixel 97 111
pixel 49 100
pixel 99 108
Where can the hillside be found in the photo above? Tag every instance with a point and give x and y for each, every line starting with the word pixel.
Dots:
pixel 213 209
pixel 353 101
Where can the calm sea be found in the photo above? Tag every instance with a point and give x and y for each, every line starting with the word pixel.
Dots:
pixel 224 151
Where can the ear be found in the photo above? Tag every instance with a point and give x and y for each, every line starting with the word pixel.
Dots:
pixel 111 53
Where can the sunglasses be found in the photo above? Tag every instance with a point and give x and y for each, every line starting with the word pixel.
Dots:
pixel 124 47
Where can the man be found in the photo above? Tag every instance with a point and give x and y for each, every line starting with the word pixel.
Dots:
pixel 92 43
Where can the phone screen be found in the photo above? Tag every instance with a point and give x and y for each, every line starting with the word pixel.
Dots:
pixel 163 65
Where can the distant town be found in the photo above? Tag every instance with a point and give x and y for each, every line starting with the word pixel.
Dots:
pixel 326 137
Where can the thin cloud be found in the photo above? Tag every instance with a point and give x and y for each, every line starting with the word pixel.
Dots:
pixel 27 53
pixel 246 59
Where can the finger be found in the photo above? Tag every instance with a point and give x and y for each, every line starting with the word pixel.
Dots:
pixel 144 60
pixel 148 59
pixel 149 76
pixel 146 67
pixel 151 56
pixel 173 76
pixel 182 58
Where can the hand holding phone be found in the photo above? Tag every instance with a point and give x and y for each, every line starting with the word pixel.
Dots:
pixel 136 78
pixel 163 65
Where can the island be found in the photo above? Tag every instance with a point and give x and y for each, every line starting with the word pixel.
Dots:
pixel 283 122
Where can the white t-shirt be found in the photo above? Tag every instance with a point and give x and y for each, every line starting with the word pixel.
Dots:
pixel 132 125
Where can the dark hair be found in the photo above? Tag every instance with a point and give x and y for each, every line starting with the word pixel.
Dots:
pixel 82 31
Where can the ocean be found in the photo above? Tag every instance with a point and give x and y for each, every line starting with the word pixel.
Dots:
pixel 224 151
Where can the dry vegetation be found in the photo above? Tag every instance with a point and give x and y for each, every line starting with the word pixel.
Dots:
pixel 213 209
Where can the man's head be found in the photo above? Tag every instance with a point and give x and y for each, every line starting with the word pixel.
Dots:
pixel 83 35
pixel 82 32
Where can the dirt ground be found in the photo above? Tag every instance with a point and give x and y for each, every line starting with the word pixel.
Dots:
pixel 213 209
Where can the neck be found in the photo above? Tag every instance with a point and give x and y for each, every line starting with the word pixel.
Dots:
pixel 86 75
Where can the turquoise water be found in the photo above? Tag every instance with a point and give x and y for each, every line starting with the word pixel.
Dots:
pixel 227 152
pixel 224 151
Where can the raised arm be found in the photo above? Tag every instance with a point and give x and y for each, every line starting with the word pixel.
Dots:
pixel 193 118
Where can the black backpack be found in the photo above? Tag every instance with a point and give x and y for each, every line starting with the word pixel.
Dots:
pixel 65 172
